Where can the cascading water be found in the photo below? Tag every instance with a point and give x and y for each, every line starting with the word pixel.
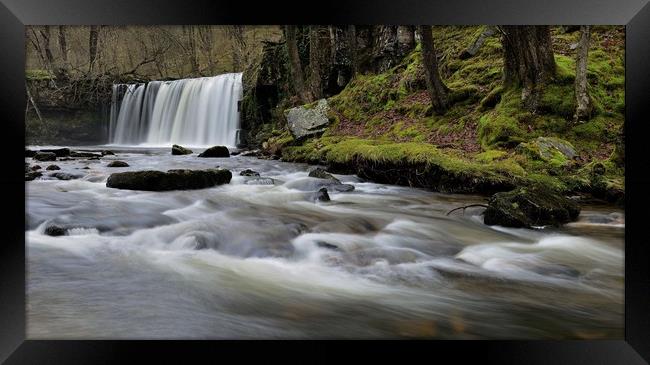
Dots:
pixel 194 112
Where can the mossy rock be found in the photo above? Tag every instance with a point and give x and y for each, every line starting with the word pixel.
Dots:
pixel 530 207
pixel 555 151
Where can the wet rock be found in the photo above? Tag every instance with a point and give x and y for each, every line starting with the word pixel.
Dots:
pixel 35 167
pixel 322 174
pixel 53 167
pixel 108 153
pixel 215 151
pixel 66 159
pixel 117 164
pixel 235 153
pixel 45 156
pixel 85 168
pixel 322 195
pixel 54 231
pixel 79 154
pixel 170 180
pixel 32 175
pixel 59 152
pixel 64 176
pixel 308 120
pixel 180 150
pixel 30 153
pixel 249 172
pixel 530 206
pixel 329 246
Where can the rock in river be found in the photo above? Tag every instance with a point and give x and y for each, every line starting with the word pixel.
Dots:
pixel 29 176
pixel 117 164
pixel 215 151
pixel 53 167
pixel 308 120
pixel 180 150
pixel 45 156
pixel 54 231
pixel 249 172
pixel 322 174
pixel 530 206
pixel 170 180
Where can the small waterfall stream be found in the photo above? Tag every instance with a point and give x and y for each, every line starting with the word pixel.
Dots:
pixel 194 112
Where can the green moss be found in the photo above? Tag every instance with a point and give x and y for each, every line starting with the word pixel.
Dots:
pixel 558 100
pixel 499 130
pixel 38 75
pixel 490 156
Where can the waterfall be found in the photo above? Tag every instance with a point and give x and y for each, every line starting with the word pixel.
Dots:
pixel 193 112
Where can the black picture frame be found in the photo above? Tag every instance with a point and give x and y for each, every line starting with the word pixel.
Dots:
pixel 634 14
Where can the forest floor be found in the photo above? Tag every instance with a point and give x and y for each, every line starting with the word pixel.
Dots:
pixel 383 128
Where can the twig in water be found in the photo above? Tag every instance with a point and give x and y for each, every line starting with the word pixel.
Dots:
pixel 465 207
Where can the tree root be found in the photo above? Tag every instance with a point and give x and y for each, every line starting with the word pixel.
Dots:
pixel 465 207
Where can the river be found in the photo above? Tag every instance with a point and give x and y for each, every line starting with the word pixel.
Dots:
pixel 252 259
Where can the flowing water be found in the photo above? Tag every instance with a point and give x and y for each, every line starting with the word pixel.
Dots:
pixel 260 258
pixel 197 112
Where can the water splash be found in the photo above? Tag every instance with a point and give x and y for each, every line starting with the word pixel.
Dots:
pixel 194 112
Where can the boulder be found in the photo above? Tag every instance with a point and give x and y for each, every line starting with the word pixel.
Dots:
pixel 549 149
pixel 313 184
pixel 53 167
pixel 170 180
pixel 32 175
pixel 117 164
pixel 180 150
pixel 35 167
pixel 107 153
pixel 322 174
pixel 30 153
pixel 260 181
pixel 249 172
pixel 45 156
pixel 530 207
pixel 215 151
pixel 54 231
pixel 308 120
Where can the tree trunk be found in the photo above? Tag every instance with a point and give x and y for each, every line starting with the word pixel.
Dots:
pixel 436 87
pixel 528 60
pixel 93 40
pixel 583 102
pixel 352 43
pixel 63 44
pixel 405 39
pixel 238 43
pixel 45 33
pixel 296 66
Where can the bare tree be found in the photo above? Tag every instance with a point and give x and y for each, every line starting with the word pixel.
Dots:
pixel 238 45
pixel 63 43
pixel 436 87
pixel 93 40
pixel 296 65
pixel 583 102
pixel 45 34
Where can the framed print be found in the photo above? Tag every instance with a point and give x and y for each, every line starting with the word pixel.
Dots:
pixel 370 171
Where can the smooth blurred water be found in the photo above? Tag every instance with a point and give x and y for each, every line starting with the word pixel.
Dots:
pixel 267 261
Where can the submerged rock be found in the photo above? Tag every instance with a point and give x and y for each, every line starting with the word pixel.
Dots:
pixel 251 153
pixel 260 181
pixel 64 176
pixel 215 151
pixel 530 206
pixel 308 120
pixel 54 231
pixel 322 174
pixel 107 153
pixel 313 184
pixel 170 180
pixel 180 150
pixel 53 167
pixel 117 164
pixel 249 172
pixel 85 154
pixel 45 156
